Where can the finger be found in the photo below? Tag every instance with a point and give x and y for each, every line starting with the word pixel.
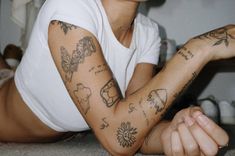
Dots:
pixel 176 145
pixel 166 142
pixel 212 129
pixel 207 145
pixel 189 143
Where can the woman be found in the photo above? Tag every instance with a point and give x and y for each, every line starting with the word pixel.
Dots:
pixel 91 63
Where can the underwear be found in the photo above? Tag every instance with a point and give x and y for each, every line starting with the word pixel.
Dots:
pixel 5 74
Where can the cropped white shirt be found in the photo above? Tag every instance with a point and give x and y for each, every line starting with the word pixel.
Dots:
pixel 38 79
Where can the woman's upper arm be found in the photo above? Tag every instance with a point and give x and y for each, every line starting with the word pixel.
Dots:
pixel 143 73
pixel 77 54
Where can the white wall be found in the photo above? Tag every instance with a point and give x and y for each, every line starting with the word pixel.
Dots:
pixel 9 31
pixel 183 19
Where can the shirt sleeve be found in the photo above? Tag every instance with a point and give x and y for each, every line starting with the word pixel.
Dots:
pixel 150 46
pixel 79 13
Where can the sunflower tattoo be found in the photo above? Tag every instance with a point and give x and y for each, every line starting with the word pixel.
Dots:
pixel 126 135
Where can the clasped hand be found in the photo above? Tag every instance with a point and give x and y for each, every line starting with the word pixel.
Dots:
pixel 191 133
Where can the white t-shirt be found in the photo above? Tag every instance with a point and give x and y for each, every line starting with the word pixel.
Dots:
pixel 38 79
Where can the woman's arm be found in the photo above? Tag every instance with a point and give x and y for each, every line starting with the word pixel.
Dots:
pixel 121 125
pixel 143 73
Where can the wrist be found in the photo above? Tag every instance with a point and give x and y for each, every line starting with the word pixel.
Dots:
pixel 201 48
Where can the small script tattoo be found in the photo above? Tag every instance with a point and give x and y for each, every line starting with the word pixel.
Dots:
pixel 109 93
pixel 83 95
pixel 99 69
pixel 221 36
pixel 131 108
pixel 126 135
pixel 105 124
pixel 194 75
pixel 158 99
pixel 84 48
pixel 185 53
pixel 65 27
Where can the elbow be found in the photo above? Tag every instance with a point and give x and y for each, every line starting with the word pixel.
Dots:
pixel 115 149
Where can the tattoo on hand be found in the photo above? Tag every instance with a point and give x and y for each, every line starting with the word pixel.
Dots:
pixel 221 36
pixel 84 48
pixel 185 53
pixel 64 26
pixel 109 93
pixel 83 95
pixel 105 124
pixel 126 135
pixel 158 99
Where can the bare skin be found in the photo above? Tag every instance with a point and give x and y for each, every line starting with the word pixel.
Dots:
pixel 150 101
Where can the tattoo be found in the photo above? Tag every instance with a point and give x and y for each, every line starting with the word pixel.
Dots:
pixel 221 36
pixel 131 108
pixel 185 53
pixel 145 115
pixel 105 124
pixel 109 93
pixel 84 48
pixel 194 75
pixel 83 95
pixel 126 135
pixel 64 26
pixel 158 99
pixel 99 69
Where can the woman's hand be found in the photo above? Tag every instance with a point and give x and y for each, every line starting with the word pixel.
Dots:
pixel 220 42
pixel 193 134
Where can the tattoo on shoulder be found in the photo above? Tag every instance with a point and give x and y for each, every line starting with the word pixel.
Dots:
pixel 105 124
pixel 126 135
pixel 221 36
pixel 83 95
pixel 69 63
pixel 65 27
pixel 185 53
pixel 109 93
pixel 158 99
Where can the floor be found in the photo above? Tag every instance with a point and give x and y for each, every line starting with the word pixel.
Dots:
pixel 84 145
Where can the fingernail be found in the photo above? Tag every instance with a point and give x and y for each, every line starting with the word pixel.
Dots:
pixel 196 114
pixel 202 120
pixel 189 121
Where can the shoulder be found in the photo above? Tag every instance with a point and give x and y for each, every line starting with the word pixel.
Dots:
pixel 146 23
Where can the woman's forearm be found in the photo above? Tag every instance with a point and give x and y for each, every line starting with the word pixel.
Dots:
pixel 135 116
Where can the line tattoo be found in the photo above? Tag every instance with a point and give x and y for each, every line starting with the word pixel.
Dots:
pixel 185 53
pixel 126 135
pixel 109 93
pixel 65 27
pixel 194 75
pixel 131 108
pixel 158 99
pixel 221 36
pixel 69 63
pixel 144 113
pixel 99 69
pixel 83 95
pixel 104 125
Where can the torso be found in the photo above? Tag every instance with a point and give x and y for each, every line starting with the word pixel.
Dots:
pixel 18 123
